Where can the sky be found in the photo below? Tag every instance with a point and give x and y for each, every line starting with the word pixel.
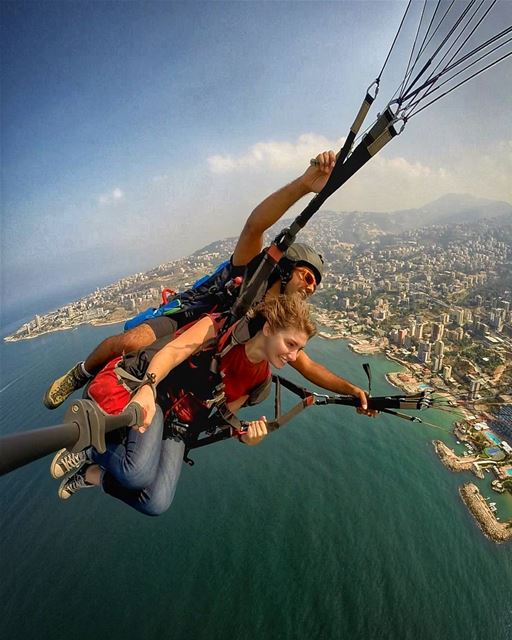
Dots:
pixel 133 133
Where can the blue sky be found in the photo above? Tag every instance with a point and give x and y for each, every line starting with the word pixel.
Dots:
pixel 136 132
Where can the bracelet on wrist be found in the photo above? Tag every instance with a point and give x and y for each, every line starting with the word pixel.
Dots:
pixel 150 381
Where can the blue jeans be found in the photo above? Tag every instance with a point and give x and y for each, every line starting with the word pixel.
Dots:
pixel 142 470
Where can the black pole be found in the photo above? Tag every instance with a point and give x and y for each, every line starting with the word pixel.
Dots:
pixel 84 425
pixel 18 449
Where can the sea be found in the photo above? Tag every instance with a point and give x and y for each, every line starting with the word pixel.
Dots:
pixel 338 526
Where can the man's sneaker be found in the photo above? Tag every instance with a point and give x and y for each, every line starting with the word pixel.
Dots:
pixel 64 462
pixel 74 483
pixel 63 387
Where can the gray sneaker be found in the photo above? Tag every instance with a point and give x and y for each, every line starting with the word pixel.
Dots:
pixel 74 483
pixel 61 388
pixel 64 462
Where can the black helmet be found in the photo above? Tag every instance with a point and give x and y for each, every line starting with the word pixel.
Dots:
pixel 303 254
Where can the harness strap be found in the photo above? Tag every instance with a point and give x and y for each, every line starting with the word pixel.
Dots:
pixel 356 125
pixel 148 379
pixel 231 425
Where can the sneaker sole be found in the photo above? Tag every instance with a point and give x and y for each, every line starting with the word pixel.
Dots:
pixel 48 403
pixel 60 492
pixel 55 470
pixel 52 404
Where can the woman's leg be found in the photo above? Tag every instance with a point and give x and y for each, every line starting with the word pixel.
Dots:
pixel 134 461
pixel 156 498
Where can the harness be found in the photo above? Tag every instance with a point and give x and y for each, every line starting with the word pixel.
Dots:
pixel 196 384
pixel 214 292
pixel 307 398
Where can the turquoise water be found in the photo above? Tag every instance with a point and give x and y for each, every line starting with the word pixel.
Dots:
pixel 492 437
pixel 338 526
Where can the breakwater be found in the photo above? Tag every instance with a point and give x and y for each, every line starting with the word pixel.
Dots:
pixel 475 502
pixel 473 499
pixel 453 462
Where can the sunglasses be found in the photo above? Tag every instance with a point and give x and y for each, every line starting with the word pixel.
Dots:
pixel 307 276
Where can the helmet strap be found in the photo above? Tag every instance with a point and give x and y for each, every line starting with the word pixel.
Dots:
pixel 286 276
pixel 285 270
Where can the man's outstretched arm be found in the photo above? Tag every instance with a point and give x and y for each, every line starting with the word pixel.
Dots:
pixel 322 377
pixel 250 242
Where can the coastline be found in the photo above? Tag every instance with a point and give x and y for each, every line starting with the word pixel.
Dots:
pixel 453 462
pixel 403 381
pixel 492 529
pixel 365 349
pixel 93 323
pixel 471 496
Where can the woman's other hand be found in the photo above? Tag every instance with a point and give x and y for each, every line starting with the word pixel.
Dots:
pixel 256 431
pixel 145 398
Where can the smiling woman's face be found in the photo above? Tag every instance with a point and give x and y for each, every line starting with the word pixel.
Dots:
pixel 283 345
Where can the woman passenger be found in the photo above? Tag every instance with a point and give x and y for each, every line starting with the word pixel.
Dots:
pixel 143 469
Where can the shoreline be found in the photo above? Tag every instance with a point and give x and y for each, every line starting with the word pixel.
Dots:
pixel 496 531
pixel 72 328
pixel 453 462
pixel 410 386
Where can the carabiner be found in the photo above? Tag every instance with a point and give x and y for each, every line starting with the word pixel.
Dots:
pixel 320 398
pixel 404 122
pixel 375 84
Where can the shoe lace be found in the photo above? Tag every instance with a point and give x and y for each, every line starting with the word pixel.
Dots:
pixel 72 460
pixel 68 383
pixel 75 483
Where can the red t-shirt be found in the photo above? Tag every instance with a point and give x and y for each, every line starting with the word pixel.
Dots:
pixel 240 377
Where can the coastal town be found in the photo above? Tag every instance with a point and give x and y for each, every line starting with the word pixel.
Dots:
pixel 435 299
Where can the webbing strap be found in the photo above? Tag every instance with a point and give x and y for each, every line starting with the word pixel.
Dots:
pixel 354 129
pixel 344 170
pixel 229 428
pixel 306 401
pixel 273 425
pixel 381 141
pixel 277 397
pixel 254 290
pixel 361 115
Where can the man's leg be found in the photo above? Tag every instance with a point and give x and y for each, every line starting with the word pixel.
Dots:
pixel 112 347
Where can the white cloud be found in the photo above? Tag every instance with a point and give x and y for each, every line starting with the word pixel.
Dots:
pixel 273 155
pixel 386 183
pixel 111 197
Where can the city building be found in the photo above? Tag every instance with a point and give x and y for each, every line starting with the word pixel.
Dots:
pixel 437 331
pixel 424 350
